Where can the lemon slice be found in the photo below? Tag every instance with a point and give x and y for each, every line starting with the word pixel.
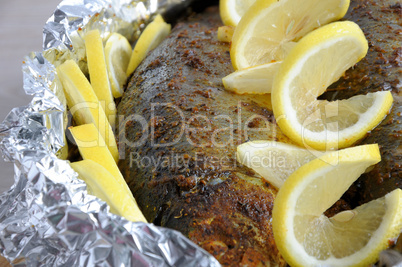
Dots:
pixel 225 34
pixel 306 237
pixel 98 73
pixel 231 11
pixel 318 60
pixel 253 80
pixel 267 30
pixel 149 39
pixel 158 18
pixel 117 52
pixel 103 185
pixel 274 161
pixel 83 103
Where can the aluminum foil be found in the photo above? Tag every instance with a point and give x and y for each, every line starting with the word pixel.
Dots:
pixel 47 218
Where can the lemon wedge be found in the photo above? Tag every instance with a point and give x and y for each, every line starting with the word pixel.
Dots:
pixel 231 11
pixel 98 73
pixel 318 60
pixel 274 161
pixel 103 185
pixel 253 80
pixel 225 34
pixel 150 38
pixel 83 103
pixel 268 29
pixel 92 146
pixel 117 53
pixel 306 237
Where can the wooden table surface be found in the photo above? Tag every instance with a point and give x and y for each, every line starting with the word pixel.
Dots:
pixel 21 24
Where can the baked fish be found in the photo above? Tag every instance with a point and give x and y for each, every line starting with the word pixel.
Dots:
pixel 179 129
pixel 181 151
pixel 380 70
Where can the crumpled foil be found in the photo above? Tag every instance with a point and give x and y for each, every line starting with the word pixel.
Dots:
pixel 47 218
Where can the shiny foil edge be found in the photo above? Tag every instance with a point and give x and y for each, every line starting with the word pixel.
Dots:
pixel 47 218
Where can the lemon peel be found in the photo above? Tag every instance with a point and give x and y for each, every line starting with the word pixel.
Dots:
pixel 231 11
pixel 84 104
pixel 253 80
pixel 274 161
pixel 150 38
pixel 225 34
pixel 98 73
pixel 103 185
pixel 117 53
pixel 269 28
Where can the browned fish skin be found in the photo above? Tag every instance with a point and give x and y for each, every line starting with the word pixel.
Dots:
pixel 222 207
pixel 381 69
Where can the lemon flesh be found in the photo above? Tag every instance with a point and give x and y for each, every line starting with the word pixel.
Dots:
pixel 149 39
pixel 267 31
pixel 231 11
pixel 274 161
pixel 318 60
pixel 117 53
pixel 253 80
pixel 83 103
pixel 306 237
pixel 103 185
pixel 92 146
pixel 98 73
